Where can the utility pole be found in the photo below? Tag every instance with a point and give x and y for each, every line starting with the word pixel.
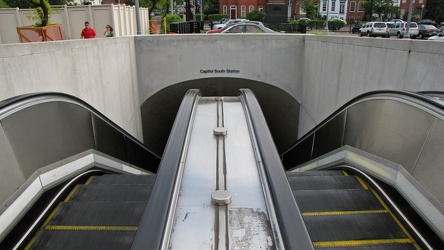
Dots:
pixel 326 19
pixel 409 17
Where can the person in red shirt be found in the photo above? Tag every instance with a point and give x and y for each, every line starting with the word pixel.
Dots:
pixel 88 32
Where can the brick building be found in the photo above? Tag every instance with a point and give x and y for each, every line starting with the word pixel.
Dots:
pixel 281 10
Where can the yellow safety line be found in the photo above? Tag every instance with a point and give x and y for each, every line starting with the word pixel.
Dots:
pixel 356 243
pixel 41 228
pixel 89 180
pixel 71 193
pixel 91 228
pixel 396 219
pixel 364 185
pixel 345 172
pixel 344 212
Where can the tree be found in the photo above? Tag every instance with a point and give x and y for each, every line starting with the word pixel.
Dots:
pixel 310 7
pixel 210 7
pixel 434 10
pixel 23 4
pixel 379 7
pixel 3 4
pixel 255 15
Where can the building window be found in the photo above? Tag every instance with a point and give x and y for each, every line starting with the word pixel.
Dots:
pixel 225 10
pixel 250 8
pixel 404 1
pixel 243 11
pixel 261 9
pixel 402 12
pixel 333 7
pixel 341 8
pixel 352 6
pixel 324 6
pixel 302 11
pixel 360 7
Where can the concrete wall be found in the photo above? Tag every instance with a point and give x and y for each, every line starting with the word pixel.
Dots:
pixel 320 72
pixel 272 59
pixel 101 72
pixel 337 69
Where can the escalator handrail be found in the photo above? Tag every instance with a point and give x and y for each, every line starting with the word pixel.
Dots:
pixel 411 95
pixel 153 225
pixel 9 105
pixel 291 225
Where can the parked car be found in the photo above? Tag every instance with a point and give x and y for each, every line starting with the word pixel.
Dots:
pixel 398 29
pixel 223 20
pixel 356 28
pixel 439 37
pixel 217 31
pixel 373 29
pixel 220 26
pixel 396 21
pixel 247 28
pixel 427 21
pixel 427 31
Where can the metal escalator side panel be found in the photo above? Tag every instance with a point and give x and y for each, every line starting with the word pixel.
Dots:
pixel 157 215
pixel 220 160
pixel 291 226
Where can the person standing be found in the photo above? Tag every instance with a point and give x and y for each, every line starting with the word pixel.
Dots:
pixel 88 32
pixel 108 32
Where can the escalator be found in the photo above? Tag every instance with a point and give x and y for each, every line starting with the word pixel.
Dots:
pixel 292 201
pixel 103 213
pixel 341 211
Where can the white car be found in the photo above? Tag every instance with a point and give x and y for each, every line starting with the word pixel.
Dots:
pixel 231 21
pixel 373 29
pixel 439 37
pixel 398 29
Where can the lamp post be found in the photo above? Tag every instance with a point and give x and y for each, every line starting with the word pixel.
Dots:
pixel 422 9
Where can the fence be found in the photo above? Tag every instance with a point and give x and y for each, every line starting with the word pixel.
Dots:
pixel 121 18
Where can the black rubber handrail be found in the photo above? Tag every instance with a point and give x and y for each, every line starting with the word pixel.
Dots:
pixel 154 219
pixel 10 102
pixel 407 94
pixel 293 231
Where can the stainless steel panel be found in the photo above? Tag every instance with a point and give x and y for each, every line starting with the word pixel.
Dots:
pixel 429 170
pixel 389 129
pixel 48 132
pixel 244 223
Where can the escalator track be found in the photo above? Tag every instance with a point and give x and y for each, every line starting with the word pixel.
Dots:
pixel 103 213
pixel 342 211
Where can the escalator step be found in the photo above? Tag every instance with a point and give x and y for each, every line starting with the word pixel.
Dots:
pixel 316 173
pixel 72 214
pixel 75 240
pixel 324 182
pixel 337 200
pixel 353 227
pixel 111 193
pixel 120 179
